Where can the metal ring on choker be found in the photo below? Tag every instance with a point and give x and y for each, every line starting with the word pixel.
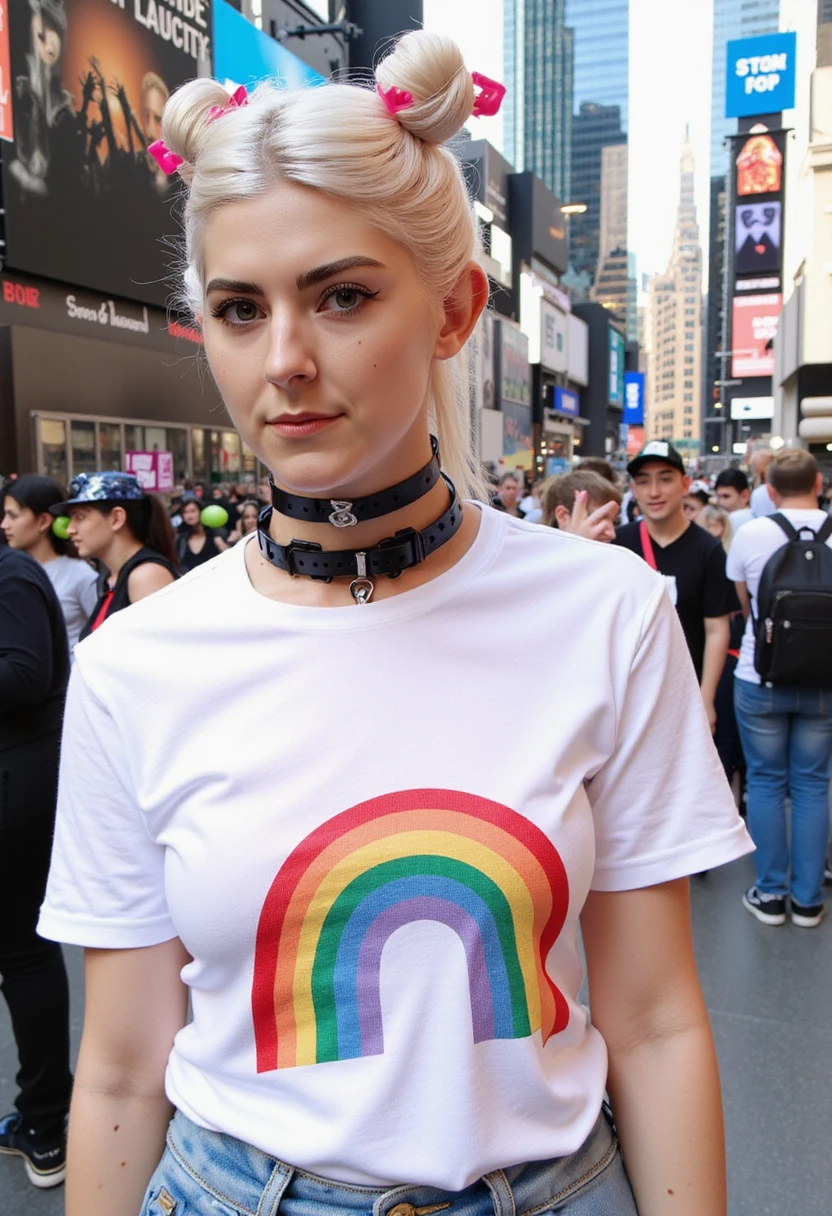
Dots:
pixel 390 557
pixel 342 513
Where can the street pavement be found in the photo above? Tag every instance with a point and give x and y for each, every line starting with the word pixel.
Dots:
pixel 769 992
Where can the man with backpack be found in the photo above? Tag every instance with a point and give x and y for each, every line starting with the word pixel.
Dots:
pixel 782 568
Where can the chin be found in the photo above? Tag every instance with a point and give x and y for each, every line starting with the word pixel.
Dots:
pixel 316 473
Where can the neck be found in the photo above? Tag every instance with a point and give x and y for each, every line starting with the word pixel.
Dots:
pixel 367 533
pixel 665 531
pixel 42 551
pixel 119 551
pixel 800 502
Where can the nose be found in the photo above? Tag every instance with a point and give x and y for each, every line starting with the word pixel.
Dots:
pixel 290 359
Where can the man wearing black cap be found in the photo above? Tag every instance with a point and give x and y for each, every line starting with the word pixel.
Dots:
pixel 690 559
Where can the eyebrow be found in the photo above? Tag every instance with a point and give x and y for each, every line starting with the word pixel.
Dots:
pixel 310 279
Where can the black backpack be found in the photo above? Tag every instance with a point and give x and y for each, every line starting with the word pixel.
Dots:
pixel 793 625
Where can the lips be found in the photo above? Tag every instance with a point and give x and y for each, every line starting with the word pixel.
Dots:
pixel 299 425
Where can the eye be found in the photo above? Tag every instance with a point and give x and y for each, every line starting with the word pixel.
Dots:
pixel 237 313
pixel 346 299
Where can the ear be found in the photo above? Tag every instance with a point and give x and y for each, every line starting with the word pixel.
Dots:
pixel 118 518
pixel 686 482
pixel 772 493
pixel 563 517
pixel 461 311
pixel 45 522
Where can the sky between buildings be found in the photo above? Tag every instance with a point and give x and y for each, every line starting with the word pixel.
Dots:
pixel 670 86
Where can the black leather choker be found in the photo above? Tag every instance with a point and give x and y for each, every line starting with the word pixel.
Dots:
pixel 390 556
pixel 342 513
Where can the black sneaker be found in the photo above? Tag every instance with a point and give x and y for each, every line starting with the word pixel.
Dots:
pixel 807 917
pixel 45 1160
pixel 769 909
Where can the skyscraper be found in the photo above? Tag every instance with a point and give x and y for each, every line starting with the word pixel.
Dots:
pixel 675 307
pixel 732 19
pixel 612 277
pixel 601 95
pixel 538 57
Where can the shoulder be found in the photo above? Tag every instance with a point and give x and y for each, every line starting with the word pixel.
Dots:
pixel 628 536
pixel 147 578
pixel 552 561
pixel 21 567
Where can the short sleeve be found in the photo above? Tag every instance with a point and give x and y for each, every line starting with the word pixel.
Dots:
pixel 720 598
pixel 735 565
pixel 661 804
pixel 106 882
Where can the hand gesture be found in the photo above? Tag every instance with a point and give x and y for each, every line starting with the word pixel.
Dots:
pixel 600 525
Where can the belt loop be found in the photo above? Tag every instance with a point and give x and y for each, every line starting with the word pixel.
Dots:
pixel 275 1188
pixel 501 1193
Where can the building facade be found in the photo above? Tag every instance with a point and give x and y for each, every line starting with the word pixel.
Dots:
pixel 612 275
pixel 538 65
pixel 732 19
pixel 601 97
pixel 675 320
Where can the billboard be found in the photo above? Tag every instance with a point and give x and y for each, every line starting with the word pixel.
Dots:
pixel 752 407
pixel 84 202
pixel 567 402
pixel 759 164
pixel 760 75
pixel 754 325
pixel 553 350
pixel 517 436
pixel 634 398
pixel 515 371
pixel 757 237
pixel 245 55
pixel 615 394
pixel 153 470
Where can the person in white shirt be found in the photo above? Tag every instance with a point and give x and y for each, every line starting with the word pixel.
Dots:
pixel 732 494
pixel 285 792
pixel 786 731
pixel 760 501
pixel 28 525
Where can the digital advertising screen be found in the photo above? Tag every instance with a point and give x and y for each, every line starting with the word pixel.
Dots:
pixel 759 164
pixel 754 325
pixel 84 202
pixel 758 238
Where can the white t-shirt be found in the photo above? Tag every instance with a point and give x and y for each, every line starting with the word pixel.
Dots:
pixel 760 503
pixel 75 585
pixel 740 518
pixel 746 561
pixel 377 873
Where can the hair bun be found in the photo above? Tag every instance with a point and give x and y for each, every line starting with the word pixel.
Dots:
pixel 430 68
pixel 185 116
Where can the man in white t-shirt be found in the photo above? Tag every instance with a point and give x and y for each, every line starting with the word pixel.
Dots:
pixel 732 494
pixel 786 731
pixel 761 502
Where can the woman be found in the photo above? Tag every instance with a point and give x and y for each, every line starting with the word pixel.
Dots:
pixel 247 522
pixel 27 525
pixel 113 521
pixel 718 522
pixel 34 665
pixel 693 504
pixel 195 543
pixel 373 891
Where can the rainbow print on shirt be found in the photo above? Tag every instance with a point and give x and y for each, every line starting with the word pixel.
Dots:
pixel 419 855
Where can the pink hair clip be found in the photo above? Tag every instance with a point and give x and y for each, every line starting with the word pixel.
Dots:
pixel 167 161
pixel 236 101
pixel 488 102
pixel 395 99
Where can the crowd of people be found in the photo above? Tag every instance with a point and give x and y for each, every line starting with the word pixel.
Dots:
pixel 330 902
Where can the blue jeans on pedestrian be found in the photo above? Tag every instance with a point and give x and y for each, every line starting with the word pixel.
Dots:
pixel 786 735
pixel 206 1172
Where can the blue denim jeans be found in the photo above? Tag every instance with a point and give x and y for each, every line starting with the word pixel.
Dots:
pixel 205 1172
pixel 787 739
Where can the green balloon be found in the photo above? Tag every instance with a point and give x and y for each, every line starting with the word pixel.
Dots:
pixel 214 516
pixel 61 527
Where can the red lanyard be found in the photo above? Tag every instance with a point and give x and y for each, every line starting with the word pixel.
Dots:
pixel 647 546
pixel 102 612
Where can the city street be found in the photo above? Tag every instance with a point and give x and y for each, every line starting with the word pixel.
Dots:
pixel 769 992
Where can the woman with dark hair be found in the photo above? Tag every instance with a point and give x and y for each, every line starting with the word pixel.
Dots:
pixel 27 525
pixel 195 543
pixel 114 521
pixel 34 665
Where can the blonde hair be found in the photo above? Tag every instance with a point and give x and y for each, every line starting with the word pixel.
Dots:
pixel 717 515
pixel 341 139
